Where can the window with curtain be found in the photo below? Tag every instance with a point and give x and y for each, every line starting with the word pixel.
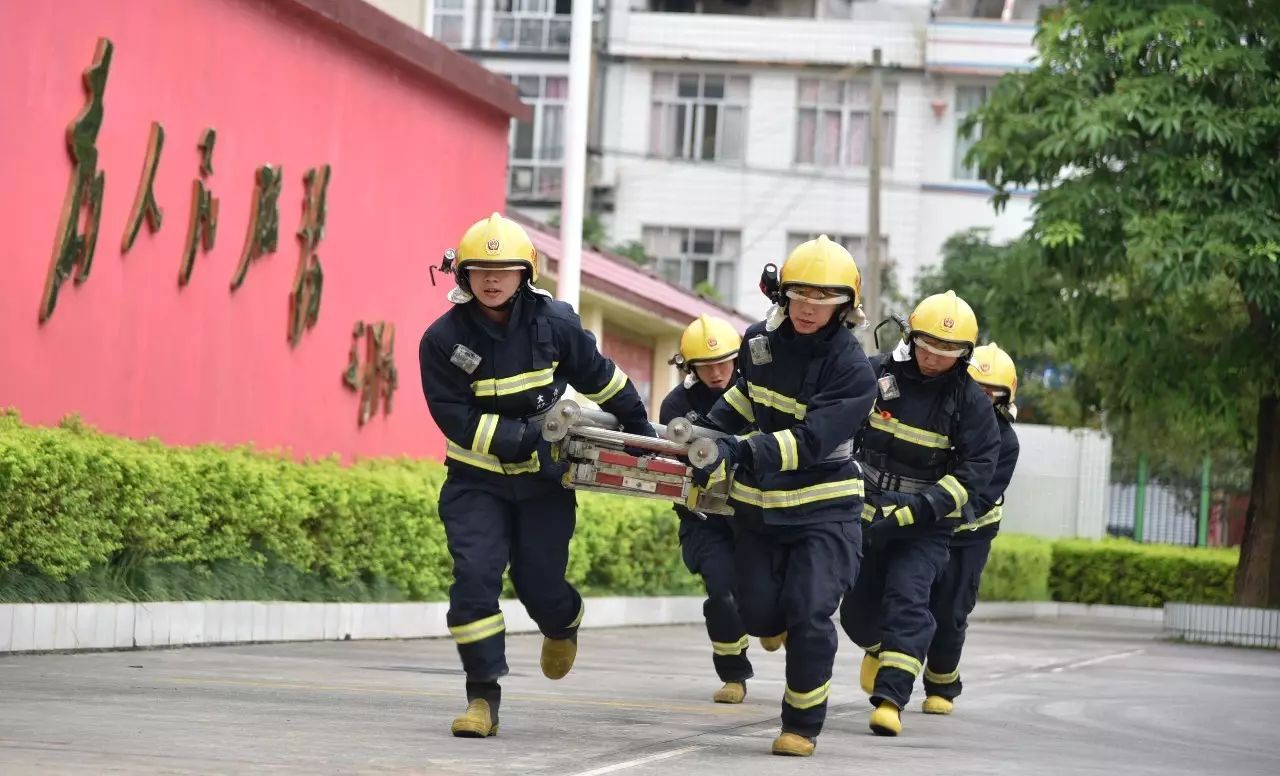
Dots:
pixel 833 121
pixel 448 22
pixel 694 257
pixel 699 116
pixel 968 99
pixel 537 146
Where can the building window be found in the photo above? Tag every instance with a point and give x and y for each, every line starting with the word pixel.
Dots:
pixel 531 25
pixel 448 21
pixel 537 146
pixel 854 243
pixel 698 116
pixel 699 259
pixel 968 99
pixel 834 120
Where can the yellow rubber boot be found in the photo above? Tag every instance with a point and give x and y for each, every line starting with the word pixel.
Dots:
pixel 867 673
pixel 476 721
pixel 936 704
pixel 557 657
pixel 772 643
pixel 793 745
pixel 732 692
pixel 886 720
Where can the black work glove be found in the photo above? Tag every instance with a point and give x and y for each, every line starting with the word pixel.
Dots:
pixel 894 505
pixel 876 534
pixel 731 451
pixel 530 441
pixel 554 466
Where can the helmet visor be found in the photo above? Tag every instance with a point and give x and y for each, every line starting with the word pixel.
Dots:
pixel 939 347
pixel 815 295
pixel 714 360
pixel 495 266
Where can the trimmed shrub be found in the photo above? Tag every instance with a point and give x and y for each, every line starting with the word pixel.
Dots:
pixel 91 517
pixel 1127 573
pixel 1017 569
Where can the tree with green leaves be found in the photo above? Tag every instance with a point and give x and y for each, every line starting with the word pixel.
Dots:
pixel 1151 131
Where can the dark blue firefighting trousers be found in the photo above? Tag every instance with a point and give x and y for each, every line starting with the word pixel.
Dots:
pixel 487 528
pixel 887 611
pixel 790 579
pixel 707 547
pixel 954 596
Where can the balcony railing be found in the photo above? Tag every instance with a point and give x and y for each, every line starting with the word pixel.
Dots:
pixel 526 32
pixel 763 39
pixel 979 46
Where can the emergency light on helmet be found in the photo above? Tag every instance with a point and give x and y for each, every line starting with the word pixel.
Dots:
pixel 771 283
pixel 446 265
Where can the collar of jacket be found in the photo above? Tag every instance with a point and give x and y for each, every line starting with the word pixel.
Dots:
pixel 700 391
pixel 807 344
pixel 522 305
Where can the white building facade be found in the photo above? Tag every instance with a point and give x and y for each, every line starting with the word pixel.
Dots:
pixel 727 131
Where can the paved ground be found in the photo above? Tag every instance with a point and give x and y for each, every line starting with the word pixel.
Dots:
pixel 1055 698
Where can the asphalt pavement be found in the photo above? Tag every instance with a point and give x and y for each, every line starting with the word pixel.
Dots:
pixel 1057 697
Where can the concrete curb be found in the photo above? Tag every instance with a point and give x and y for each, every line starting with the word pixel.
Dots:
pixel 1051 610
pixel 71 627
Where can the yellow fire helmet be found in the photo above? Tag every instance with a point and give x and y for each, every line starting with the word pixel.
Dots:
pixel 824 264
pixel 708 340
pixel 499 241
pixel 945 317
pixel 991 366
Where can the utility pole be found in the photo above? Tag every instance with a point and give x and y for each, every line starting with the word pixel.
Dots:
pixel 573 185
pixel 871 275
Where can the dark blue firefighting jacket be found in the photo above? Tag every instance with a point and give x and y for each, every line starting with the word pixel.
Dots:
pixel 989 504
pixel 800 400
pixel 693 404
pixel 488 384
pixel 936 443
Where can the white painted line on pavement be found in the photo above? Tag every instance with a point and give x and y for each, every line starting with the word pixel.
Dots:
pixel 653 758
pixel 1099 659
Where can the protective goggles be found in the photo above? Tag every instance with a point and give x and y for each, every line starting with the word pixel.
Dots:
pixel 710 361
pixel 940 351
pixel 495 267
pixel 826 298
pixel 994 391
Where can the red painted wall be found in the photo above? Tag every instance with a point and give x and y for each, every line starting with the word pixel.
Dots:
pixel 634 358
pixel 412 164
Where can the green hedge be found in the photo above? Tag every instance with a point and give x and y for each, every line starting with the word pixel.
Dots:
pixel 1125 573
pixel 1017 569
pixel 91 517
pixel 88 516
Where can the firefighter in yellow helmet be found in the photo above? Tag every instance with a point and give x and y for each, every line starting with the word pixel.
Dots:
pixel 491 367
pixel 803 389
pixel 928 450
pixel 708 362
pixel 956 591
